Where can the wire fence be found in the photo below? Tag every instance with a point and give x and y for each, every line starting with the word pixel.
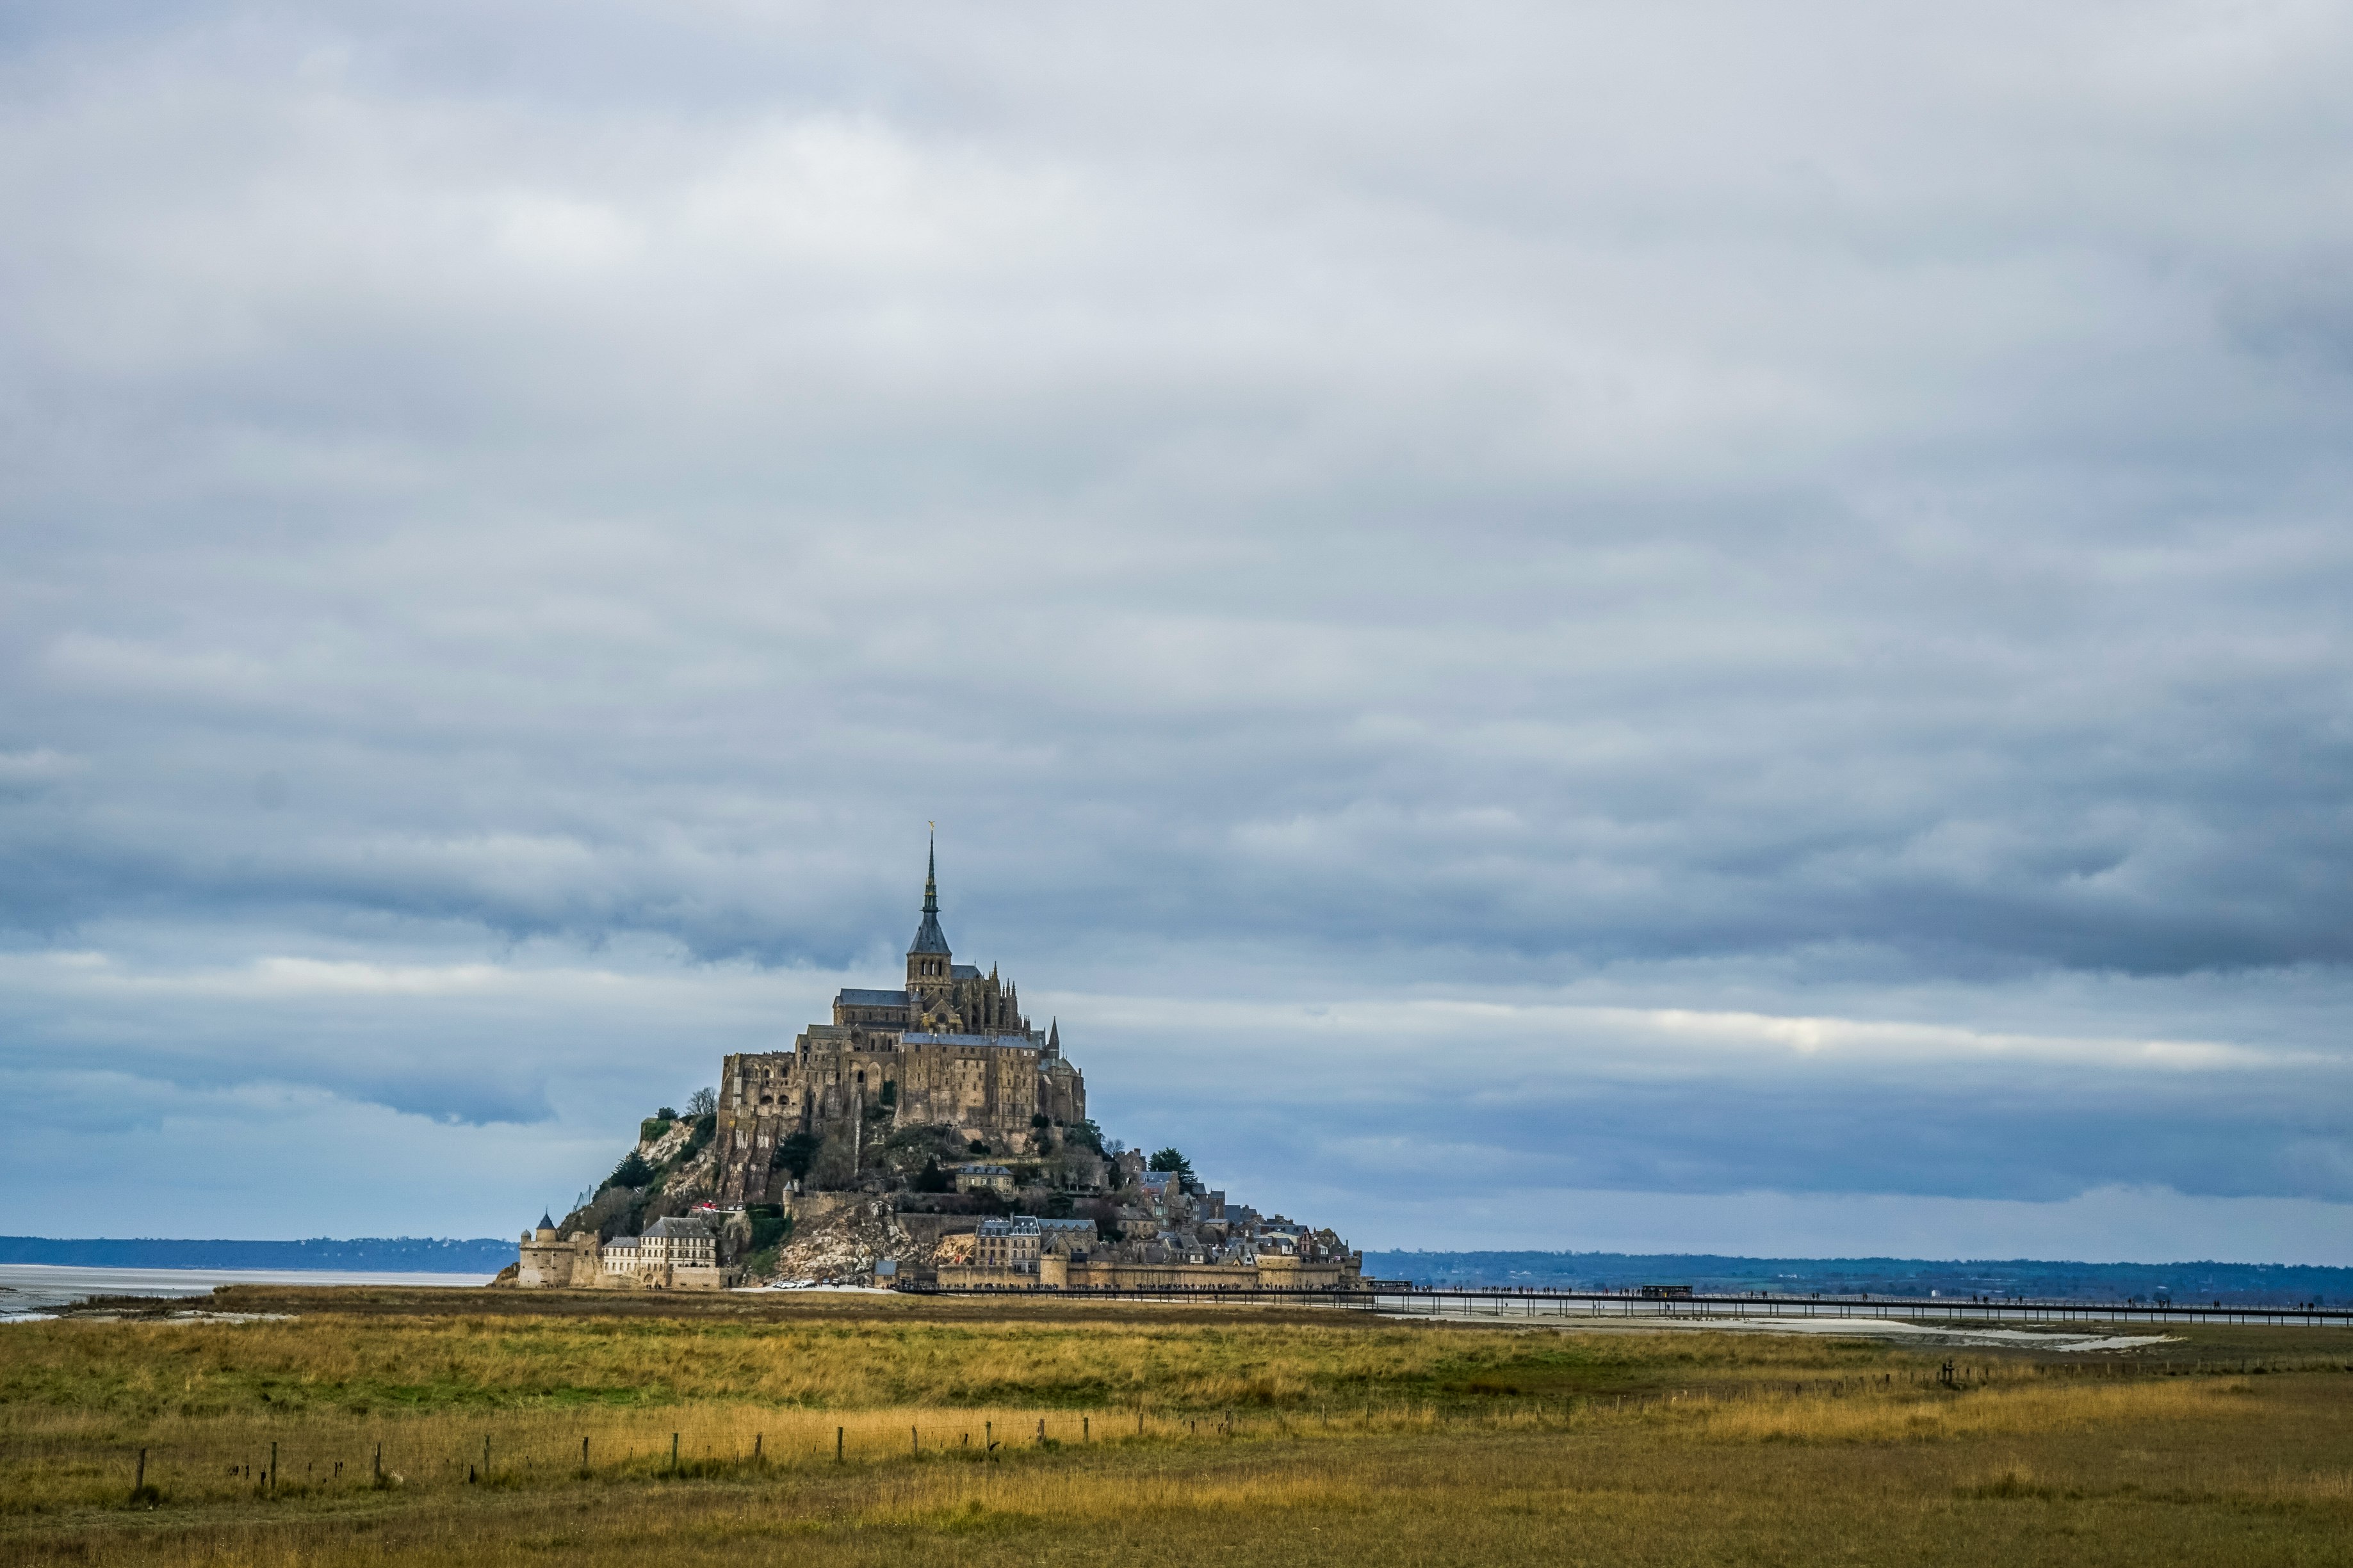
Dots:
pixel 194 1460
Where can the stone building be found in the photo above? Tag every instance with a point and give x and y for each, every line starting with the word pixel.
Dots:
pixel 549 1261
pixel 1007 1244
pixel 950 1047
pixel 982 1176
pixel 680 1252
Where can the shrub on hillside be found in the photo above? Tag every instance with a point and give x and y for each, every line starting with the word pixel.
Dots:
pixel 632 1172
pixel 836 1165
pixel 795 1153
pixel 770 1226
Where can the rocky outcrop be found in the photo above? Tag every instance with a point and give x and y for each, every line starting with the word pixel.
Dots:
pixel 847 1244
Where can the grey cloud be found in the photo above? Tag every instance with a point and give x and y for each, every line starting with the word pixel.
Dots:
pixel 1326 503
pixel 1523 1105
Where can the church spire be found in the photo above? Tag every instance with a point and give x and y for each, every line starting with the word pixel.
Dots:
pixel 929 938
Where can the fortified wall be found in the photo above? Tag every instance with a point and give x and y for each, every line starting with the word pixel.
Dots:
pixel 1065 1272
pixel 677 1253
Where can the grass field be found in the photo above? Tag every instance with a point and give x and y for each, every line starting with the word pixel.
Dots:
pixel 448 1427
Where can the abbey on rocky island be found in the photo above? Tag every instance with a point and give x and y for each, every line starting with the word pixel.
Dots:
pixel 929 1134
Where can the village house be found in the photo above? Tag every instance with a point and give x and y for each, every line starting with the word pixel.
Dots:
pixel 982 1177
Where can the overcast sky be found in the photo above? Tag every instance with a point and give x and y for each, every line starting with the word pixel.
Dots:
pixel 1681 626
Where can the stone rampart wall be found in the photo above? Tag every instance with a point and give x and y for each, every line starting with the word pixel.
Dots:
pixel 1061 1274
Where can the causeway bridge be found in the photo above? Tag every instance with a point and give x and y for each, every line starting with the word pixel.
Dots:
pixel 1531 1303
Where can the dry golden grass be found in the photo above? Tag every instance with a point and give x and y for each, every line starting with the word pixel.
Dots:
pixel 386 1364
pixel 1373 1444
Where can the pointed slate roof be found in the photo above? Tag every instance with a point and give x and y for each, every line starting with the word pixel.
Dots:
pixel 546 1221
pixel 929 938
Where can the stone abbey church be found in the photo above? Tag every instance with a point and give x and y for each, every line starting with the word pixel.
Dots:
pixel 950 1049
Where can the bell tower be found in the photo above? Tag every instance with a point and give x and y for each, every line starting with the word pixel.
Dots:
pixel 928 967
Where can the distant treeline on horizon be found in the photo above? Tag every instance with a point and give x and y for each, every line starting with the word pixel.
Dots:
pixel 2233 1284
pixel 370 1255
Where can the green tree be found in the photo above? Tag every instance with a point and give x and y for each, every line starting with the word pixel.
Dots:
pixel 932 1179
pixel 795 1152
pixel 1170 1160
pixel 769 1226
pixel 632 1172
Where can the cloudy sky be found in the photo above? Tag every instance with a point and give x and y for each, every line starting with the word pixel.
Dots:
pixel 1655 625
